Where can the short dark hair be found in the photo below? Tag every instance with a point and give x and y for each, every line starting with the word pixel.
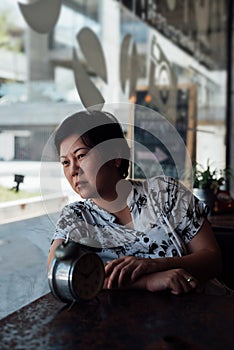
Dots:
pixel 95 127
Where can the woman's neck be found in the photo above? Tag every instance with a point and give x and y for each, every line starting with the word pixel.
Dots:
pixel 124 217
pixel 115 202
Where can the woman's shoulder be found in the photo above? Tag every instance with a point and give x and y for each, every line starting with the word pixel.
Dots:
pixel 163 180
pixel 160 182
pixel 74 207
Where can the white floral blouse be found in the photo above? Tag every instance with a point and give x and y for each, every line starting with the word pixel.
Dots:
pixel 165 215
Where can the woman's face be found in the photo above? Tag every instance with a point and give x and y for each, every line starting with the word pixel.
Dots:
pixel 86 171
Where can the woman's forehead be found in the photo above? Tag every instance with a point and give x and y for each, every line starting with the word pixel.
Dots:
pixel 70 144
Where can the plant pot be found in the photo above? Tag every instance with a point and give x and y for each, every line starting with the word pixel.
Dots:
pixel 207 196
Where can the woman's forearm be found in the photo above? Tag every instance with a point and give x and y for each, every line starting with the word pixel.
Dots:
pixel 204 264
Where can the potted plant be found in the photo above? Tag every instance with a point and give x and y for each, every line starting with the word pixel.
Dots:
pixel 207 182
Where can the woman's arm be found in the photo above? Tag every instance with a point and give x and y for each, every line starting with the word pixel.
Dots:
pixel 204 256
pixel 202 262
pixel 53 246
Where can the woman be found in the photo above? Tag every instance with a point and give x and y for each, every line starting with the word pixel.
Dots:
pixel 154 233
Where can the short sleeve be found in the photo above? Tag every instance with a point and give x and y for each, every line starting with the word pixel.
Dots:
pixel 66 223
pixel 188 213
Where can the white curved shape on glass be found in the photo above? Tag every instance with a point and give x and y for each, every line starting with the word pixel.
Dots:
pixel 93 52
pixel 41 15
pixel 88 92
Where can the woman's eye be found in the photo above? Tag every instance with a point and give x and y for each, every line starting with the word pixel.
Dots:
pixel 65 163
pixel 80 156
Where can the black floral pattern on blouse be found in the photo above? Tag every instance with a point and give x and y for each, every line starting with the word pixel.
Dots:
pixel 166 216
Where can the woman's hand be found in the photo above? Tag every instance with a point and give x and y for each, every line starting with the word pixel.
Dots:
pixel 128 269
pixel 178 281
pixel 132 272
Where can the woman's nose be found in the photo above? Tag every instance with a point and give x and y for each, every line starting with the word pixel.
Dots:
pixel 75 168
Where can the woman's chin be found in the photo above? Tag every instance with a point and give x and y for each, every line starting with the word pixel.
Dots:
pixel 80 194
pixel 83 194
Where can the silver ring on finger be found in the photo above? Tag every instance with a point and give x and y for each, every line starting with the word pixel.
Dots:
pixel 189 279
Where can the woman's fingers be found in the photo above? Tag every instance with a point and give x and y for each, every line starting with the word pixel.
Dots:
pixel 114 271
pixel 181 282
pixel 120 271
pixel 175 280
pixel 128 270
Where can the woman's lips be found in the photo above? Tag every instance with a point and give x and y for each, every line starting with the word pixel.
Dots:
pixel 80 184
